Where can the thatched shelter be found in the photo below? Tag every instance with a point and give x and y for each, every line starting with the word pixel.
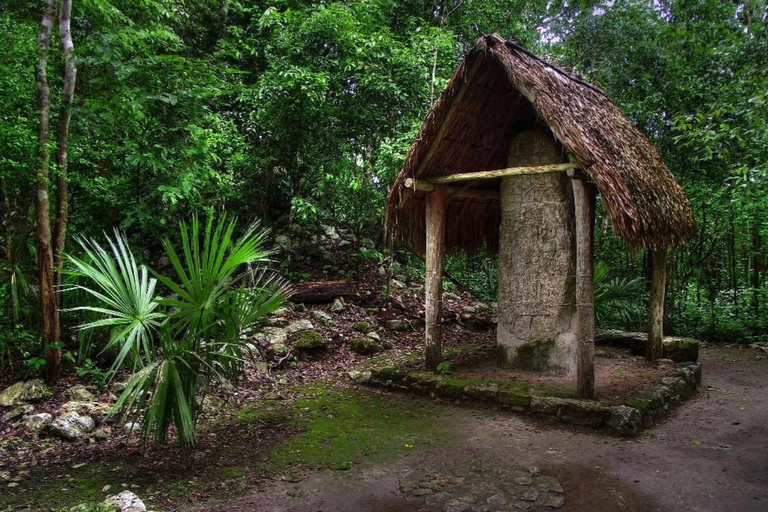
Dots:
pixel 501 100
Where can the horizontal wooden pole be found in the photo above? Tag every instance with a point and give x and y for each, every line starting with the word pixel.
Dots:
pixel 451 192
pixel 500 173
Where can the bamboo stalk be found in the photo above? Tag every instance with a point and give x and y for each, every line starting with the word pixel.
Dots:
pixel 451 192
pixel 499 173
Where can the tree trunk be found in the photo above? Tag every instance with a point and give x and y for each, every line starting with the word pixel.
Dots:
pixel 320 291
pixel 62 138
pixel 653 348
pixel 433 285
pixel 584 207
pixel 48 306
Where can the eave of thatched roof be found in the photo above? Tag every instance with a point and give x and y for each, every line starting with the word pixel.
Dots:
pixel 501 89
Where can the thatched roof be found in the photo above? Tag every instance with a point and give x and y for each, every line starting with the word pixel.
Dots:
pixel 501 89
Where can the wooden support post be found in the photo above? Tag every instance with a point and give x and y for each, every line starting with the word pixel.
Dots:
pixel 653 347
pixel 433 285
pixel 584 207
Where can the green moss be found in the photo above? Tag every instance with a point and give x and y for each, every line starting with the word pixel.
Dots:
pixel 363 327
pixel 344 428
pixel 263 413
pixel 307 341
pixel 364 345
pixel 231 473
pixel 514 395
pixel 452 387
pixel 641 404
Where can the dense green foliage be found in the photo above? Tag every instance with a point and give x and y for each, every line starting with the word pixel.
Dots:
pixel 298 112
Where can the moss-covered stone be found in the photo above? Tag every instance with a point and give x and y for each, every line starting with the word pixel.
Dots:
pixel 363 327
pixel 681 350
pixel 364 345
pixel 514 397
pixel 452 387
pixel 483 391
pixel 308 341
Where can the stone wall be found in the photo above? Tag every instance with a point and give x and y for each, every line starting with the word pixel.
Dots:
pixel 536 329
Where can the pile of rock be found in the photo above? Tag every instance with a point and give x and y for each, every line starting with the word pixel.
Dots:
pixel 126 501
pixel 335 246
pixel 76 418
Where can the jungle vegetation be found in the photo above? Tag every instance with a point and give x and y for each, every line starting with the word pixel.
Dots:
pixel 152 112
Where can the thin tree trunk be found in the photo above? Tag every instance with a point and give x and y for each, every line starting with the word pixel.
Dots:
pixel 62 139
pixel 48 306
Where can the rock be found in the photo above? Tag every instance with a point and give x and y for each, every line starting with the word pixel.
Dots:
pixel 363 327
pixel 37 422
pixel 98 409
pixel 398 324
pixel 364 345
pixel 261 367
pixel 298 326
pixel 308 341
pixel 72 426
pixel 398 284
pixel 359 376
pixel 330 232
pixel 482 391
pixel 78 393
pixel 374 336
pixel 280 349
pixel 131 427
pixel 283 242
pixel 212 406
pixel 102 433
pixel 126 501
pixel 118 386
pixel 625 420
pixel 514 398
pixel 681 350
pixel 321 316
pixel 456 506
pixel 272 335
pixel 18 412
pixel 20 392
pixel 338 305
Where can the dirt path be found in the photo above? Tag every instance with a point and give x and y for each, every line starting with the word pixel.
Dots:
pixel 709 455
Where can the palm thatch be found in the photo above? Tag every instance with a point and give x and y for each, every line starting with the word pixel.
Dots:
pixel 501 89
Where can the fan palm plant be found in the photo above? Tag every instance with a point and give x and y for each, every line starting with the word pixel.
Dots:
pixel 180 344
pixel 618 301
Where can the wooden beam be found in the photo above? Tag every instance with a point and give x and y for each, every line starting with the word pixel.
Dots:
pixel 451 192
pixel 500 173
pixel 584 207
pixel 433 285
pixel 653 347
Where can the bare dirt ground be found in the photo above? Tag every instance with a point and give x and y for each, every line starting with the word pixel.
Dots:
pixel 710 454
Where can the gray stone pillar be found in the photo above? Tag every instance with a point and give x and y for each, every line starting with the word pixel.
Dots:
pixel 537 319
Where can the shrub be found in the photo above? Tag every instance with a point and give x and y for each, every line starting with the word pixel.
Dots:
pixel 184 342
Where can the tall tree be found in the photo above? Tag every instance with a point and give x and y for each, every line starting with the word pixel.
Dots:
pixel 49 248
pixel 48 304
pixel 62 136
